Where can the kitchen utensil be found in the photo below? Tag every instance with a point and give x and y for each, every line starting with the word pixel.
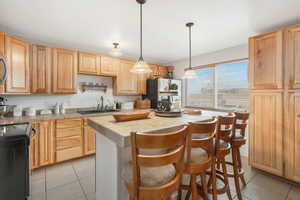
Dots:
pixel 120 117
pixel 142 104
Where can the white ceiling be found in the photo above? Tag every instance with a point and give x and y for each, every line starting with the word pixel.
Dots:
pixel 92 25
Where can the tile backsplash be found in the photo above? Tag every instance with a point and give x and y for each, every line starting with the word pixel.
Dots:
pixel 81 99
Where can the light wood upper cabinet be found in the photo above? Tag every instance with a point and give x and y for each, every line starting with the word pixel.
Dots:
pixel 163 71
pixel 266 136
pixel 41 69
pixel 292 138
pixel 292 56
pixel 126 82
pixel 64 71
pixel 17 54
pixel 155 71
pixel 266 61
pixel 89 63
pixel 142 83
pixel 109 66
pixel 89 139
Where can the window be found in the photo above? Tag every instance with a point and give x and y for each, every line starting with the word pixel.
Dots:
pixel 222 86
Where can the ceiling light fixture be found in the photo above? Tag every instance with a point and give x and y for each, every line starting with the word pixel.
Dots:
pixel 190 73
pixel 116 51
pixel 141 67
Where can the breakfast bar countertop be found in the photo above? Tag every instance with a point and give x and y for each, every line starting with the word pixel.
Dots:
pixel 119 132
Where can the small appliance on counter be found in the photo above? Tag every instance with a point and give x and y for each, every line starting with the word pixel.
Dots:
pixel 127 105
pixel 161 90
pixel 4 109
pixel 14 165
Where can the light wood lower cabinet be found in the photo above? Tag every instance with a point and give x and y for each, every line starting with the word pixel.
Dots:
pixel 89 139
pixel 266 132
pixel 292 139
pixel 69 139
pixel 42 144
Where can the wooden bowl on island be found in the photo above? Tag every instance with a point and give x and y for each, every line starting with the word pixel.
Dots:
pixel 121 117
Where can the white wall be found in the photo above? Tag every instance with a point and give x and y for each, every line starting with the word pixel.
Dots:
pixel 232 53
pixel 81 99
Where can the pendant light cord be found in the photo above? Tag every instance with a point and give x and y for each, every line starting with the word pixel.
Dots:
pixel 190 48
pixel 141 32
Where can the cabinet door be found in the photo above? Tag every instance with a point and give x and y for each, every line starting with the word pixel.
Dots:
pixel 109 66
pixel 126 81
pixel 155 71
pixel 89 140
pixel 266 61
pixel 163 71
pixel 89 63
pixel 41 69
pixel 293 56
pixel 142 83
pixel 34 148
pixel 266 137
pixel 17 53
pixel 2 53
pixel 46 142
pixel 292 138
pixel 64 71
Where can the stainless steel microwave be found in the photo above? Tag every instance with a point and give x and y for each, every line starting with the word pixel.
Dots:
pixel 3 69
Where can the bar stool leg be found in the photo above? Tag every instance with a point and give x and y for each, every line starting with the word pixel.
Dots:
pixel 236 169
pixel 179 194
pixel 204 186
pixel 240 167
pixel 224 167
pixel 214 179
pixel 195 195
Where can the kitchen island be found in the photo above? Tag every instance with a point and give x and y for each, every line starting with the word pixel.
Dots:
pixel 113 147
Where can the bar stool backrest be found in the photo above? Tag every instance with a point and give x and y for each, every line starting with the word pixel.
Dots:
pixel 225 128
pixel 175 141
pixel 241 122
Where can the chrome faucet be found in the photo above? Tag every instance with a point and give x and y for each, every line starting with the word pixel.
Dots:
pixel 100 106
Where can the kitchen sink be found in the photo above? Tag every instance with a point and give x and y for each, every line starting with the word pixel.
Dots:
pixel 86 112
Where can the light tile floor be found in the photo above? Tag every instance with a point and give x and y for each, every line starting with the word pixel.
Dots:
pixel 75 180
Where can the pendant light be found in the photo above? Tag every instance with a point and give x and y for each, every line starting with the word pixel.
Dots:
pixel 116 51
pixel 190 73
pixel 141 67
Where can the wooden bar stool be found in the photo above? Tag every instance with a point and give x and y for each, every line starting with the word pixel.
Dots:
pixel 198 157
pixel 155 171
pixel 238 139
pixel 222 149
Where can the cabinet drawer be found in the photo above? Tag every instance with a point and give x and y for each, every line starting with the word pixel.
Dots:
pixel 67 154
pixel 68 132
pixel 67 143
pixel 68 123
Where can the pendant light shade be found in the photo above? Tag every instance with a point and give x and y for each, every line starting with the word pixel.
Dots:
pixel 116 51
pixel 190 73
pixel 141 67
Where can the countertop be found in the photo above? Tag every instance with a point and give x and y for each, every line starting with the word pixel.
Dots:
pixel 119 132
pixel 72 113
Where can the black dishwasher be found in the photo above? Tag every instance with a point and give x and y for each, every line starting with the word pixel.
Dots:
pixel 14 164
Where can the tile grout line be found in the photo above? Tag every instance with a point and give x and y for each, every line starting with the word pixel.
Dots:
pixel 288 193
pixel 78 179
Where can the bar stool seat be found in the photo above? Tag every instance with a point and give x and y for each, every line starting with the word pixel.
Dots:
pixel 150 176
pixel 198 155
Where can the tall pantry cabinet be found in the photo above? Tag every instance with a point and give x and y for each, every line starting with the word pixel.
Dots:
pixel 274 83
